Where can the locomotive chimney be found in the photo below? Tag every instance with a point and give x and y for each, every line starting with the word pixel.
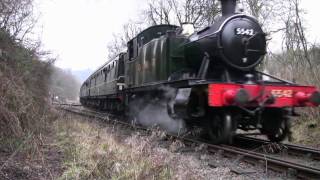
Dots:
pixel 228 7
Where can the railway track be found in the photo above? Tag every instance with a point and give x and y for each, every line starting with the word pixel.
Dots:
pixel 291 149
pixel 240 154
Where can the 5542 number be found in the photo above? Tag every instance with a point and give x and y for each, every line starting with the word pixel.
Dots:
pixel 244 31
pixel 282 93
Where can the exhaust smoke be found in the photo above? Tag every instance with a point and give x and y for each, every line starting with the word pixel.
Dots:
pixel 152 111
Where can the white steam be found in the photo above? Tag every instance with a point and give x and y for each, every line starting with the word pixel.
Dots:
pixel 152 112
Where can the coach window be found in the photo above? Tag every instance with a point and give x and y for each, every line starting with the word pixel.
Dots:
pixel 109 69
pixel 141 41
pixel 116 69
pixel 130 50
pixel 105 74
pixel 133 49
pixel 112 71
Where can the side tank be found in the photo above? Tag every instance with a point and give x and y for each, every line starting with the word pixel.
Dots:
pixel 154 59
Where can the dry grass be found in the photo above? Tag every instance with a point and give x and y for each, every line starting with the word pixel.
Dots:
pixel 25 114
pixel 95 152
pixel 24 109
pixel 306 131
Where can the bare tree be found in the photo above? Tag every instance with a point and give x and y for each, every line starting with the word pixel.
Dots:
pixel 298 57
pixel 294 37
pixel 197 12
pixel 269 13
pixel 119 42
pixel 16 17
pixel 159 12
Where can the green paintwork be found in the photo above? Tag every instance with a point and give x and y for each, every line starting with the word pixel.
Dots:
pixel 156 61
pixel 153 56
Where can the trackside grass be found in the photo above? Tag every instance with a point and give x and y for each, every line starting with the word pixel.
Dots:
pixel 91 152
pixel 95 150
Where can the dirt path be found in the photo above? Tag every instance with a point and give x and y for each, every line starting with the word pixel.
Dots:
pixel 29 160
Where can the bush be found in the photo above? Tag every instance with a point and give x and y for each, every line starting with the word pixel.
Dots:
pixel 23 90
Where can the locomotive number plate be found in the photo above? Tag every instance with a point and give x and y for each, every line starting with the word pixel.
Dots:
pixel 244 31
pixel 282 93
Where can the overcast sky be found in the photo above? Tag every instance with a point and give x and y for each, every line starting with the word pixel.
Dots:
pixel 78 31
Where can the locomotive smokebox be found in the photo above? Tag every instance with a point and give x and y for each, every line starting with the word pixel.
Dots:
pixel 235 39
pixel 228 7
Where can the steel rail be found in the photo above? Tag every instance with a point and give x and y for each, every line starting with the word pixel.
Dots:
pixel 278 164
pixel 272 163
pixel 292 149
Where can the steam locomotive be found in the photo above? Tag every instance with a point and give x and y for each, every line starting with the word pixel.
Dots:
pixel 211 75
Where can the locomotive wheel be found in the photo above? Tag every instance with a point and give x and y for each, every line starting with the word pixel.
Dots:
pixel 220 129
pixel 277 127
pixel 280 133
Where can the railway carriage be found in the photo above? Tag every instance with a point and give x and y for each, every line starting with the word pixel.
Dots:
pixel 209 78
pixel 100 90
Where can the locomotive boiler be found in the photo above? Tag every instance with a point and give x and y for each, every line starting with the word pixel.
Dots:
pixel 209 79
